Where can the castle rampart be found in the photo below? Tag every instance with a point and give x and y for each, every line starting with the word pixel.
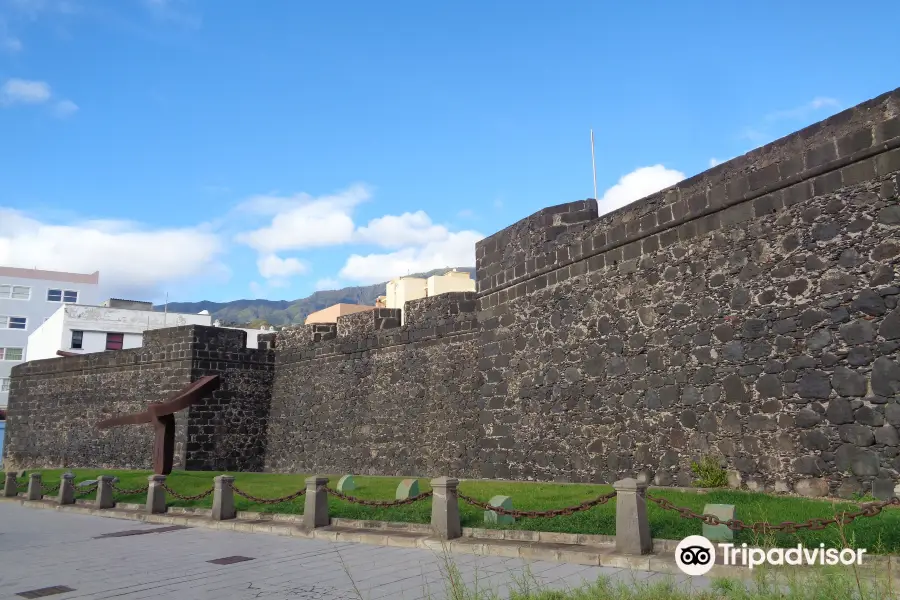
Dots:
pixel 748 313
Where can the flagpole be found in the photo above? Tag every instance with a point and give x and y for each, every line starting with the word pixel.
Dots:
pixel 593 164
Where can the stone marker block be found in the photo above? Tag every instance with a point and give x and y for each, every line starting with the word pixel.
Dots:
pixel 66 489
pixel 223 507
pixel 315 509
pixel 10 485
pixel 156 494
pixel 105 492
pixel 491 516
pixel 35 489
pixel 632 526
pixel 445 522
pixel 407 489
pixel 719 533
pixel 346 484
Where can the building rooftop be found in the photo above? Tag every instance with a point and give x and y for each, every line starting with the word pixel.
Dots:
pixel 50 275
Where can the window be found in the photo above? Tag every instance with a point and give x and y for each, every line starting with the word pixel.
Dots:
pixel 11 353
pixel 78 338
pixel 4 384
pixel 15 292
pixel 114 341
pixel 70 296
pixel 13 322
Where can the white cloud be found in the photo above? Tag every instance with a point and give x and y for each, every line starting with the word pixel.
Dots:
pixel 714 162
pixel 328 284
pixel 175 11
pixel 257 290
pixel 754 135
pixel 772 125
pixel 8 42
pixel 803 111
pixel 132 260
pixel 271 266
pixel 23 91
pixel 31 8
pixel 11 44
pixel 302 221
pixel 636 185
pixel 455 250
pixel 397 231
pixel 65 108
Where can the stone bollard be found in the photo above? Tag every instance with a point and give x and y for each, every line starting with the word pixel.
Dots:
pixel 104 492
pixel 35 491
pixel 66 489
pixel 10 486
pixel 156 495
pixel 632 526
pixel 445 521
pixel 315 511
pixel 223 498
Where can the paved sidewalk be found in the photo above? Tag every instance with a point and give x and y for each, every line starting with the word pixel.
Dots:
pixel 42 548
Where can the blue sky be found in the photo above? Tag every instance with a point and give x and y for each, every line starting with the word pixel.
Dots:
pixel 210 150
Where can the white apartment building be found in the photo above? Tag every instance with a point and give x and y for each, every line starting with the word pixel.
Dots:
pixel 28 297
pixel 399 291
pixel 252 334
pixel 114 325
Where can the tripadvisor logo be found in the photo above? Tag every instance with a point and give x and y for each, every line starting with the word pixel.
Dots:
pixel 696 555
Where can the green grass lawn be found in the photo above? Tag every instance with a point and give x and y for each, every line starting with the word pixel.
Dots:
pixel 880 534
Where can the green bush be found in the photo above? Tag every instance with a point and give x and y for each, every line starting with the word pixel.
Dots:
pixel 709 473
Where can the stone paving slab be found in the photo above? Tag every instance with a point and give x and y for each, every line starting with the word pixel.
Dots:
pixel 45 548
pixel 528 545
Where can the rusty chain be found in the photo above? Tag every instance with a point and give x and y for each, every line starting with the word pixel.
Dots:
pixel 815 524
pixel 531 514
pixel 251 498
pixel 133 492
pixel 46 491
pixel 378 503
pixel 175 494
pixel 87 491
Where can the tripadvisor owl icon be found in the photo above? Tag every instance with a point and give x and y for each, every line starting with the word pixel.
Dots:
pixel 695 555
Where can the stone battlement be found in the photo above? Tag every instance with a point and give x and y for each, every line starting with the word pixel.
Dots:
pixel 427 318
pixel 819 159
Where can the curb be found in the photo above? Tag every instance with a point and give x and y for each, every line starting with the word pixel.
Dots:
pixel 415 535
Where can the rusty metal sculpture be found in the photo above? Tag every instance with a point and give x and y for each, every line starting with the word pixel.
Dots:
pixel 162 416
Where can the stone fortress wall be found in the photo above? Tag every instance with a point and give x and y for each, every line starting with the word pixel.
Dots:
pixel 368 396
pixel 749 312
pixel 56 403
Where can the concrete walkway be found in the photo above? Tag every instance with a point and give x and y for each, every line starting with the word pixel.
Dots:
pixel 42 548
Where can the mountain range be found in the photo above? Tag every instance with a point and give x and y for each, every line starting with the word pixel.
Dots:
pixel 253 313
